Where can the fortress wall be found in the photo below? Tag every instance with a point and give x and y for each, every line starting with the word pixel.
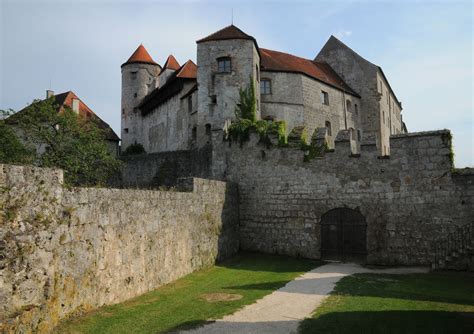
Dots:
pixel 154 170
pixel 68 250
pixel 409 200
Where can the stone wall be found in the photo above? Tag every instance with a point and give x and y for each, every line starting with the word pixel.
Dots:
pixel 154 170
pixel 68 250
pixel 410 200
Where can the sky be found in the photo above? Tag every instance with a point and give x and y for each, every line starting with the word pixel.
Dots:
pixel 424 47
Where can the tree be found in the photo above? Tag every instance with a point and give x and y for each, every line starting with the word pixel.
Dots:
pixel 66 140
pixel 12 150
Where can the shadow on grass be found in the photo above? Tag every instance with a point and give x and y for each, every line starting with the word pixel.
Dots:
pixel 399 322
pixel 452 289
pixel 268 263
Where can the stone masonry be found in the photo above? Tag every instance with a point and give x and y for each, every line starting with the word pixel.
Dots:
pixel 69 250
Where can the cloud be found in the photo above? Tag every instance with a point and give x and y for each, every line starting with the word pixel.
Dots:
pixel 342 33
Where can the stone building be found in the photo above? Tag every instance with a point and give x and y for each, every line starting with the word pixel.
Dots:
pixel 178 107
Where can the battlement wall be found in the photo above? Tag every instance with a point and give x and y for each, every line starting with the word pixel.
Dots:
pixel 69 250
pixel 410 199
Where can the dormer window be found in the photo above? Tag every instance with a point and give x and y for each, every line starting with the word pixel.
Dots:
pixel 265 86
pixel 224 65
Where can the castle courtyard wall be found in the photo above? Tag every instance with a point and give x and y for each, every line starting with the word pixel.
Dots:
pixel 410 200
pixel 70 250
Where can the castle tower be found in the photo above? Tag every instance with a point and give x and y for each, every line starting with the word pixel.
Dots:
pixel 139 77
pixel 227 60
pixel 171 65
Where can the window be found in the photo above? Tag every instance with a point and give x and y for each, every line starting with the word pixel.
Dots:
pixel 359 136
pixel 208 129
pixel 265 87
pixel 125 130
pixel 381 87
pixel 356 109
pixel 194 133
pixel 257 73
pixel 328 128
pixel 135 95
pixel 223 65
pixel 324 97
pixel 133 75
pixel 190 103
pixel 348 106
pixel 383 116
pixel 213 99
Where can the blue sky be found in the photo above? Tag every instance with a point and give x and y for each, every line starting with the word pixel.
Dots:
pixel 424 47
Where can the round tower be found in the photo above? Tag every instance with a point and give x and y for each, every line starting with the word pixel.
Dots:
pixel 139 77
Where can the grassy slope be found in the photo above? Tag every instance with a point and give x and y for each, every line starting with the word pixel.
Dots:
pixel 180 305
pixel 421 303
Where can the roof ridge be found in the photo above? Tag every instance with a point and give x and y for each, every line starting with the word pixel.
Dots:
pixel 140 55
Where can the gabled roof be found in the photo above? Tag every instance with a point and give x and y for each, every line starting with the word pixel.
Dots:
pixel 284 62
pixel 333 43
pixel 229 32
pixel 141 56
pixel 171 63
pixel 64 100
pixel 173 86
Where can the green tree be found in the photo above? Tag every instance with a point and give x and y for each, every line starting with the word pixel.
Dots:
pixel 12 150
pixel 66 140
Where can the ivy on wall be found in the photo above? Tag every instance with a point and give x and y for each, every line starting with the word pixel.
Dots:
pixel 246 121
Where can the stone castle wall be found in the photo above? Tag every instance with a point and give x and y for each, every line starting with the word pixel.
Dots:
pixel 68 250
pixel 410 200
pixel 155 170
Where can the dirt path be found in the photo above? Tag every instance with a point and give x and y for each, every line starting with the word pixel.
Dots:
pixel 282 310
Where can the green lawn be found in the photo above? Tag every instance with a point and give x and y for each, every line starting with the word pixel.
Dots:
pixel 418 303
pixel 182 304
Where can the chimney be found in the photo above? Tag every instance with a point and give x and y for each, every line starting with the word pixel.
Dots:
pixel 75 105
pixel 49 93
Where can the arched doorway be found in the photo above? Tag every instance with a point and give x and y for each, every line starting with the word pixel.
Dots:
pixel 343 235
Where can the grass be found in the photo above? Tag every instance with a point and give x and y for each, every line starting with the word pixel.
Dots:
pixel 419 303
pixel 181 304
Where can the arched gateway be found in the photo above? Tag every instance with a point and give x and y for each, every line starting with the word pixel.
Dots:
pixel 343 235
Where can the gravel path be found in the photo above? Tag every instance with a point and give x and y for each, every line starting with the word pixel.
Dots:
pixel 282 310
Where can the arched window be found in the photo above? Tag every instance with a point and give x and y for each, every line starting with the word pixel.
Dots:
pixel 265 86
pixel 348 106
pixel 224 65
pixel 328 128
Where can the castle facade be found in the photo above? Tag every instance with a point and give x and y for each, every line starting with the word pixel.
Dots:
pixel 178 107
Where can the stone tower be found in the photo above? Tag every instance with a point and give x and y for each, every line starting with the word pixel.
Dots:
pixel 139 77
pixel 227 60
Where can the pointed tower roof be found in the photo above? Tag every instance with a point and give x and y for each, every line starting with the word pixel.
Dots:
pixel 188 71
pixel 229 32
pixel 171 63
pixel 140 55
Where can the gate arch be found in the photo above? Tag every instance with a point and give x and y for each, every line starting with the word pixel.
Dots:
pixel 343 235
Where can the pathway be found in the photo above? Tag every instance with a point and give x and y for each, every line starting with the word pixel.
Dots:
pixel 282 310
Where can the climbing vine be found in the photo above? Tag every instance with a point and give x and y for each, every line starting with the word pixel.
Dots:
pixel 246 121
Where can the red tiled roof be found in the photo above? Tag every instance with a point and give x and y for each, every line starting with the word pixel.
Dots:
pixel 140 55
pixel 171 63
pixel 187 71
pixel 283 62
pixel 230 32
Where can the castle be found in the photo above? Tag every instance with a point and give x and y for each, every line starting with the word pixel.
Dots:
pixel 175 107
pixel 375 194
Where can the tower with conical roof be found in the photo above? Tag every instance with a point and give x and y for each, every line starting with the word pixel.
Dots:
pixel 139 77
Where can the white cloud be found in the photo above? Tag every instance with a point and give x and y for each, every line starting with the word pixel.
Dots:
pixel 343 33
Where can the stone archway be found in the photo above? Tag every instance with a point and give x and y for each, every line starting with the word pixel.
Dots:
pixel 343 235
